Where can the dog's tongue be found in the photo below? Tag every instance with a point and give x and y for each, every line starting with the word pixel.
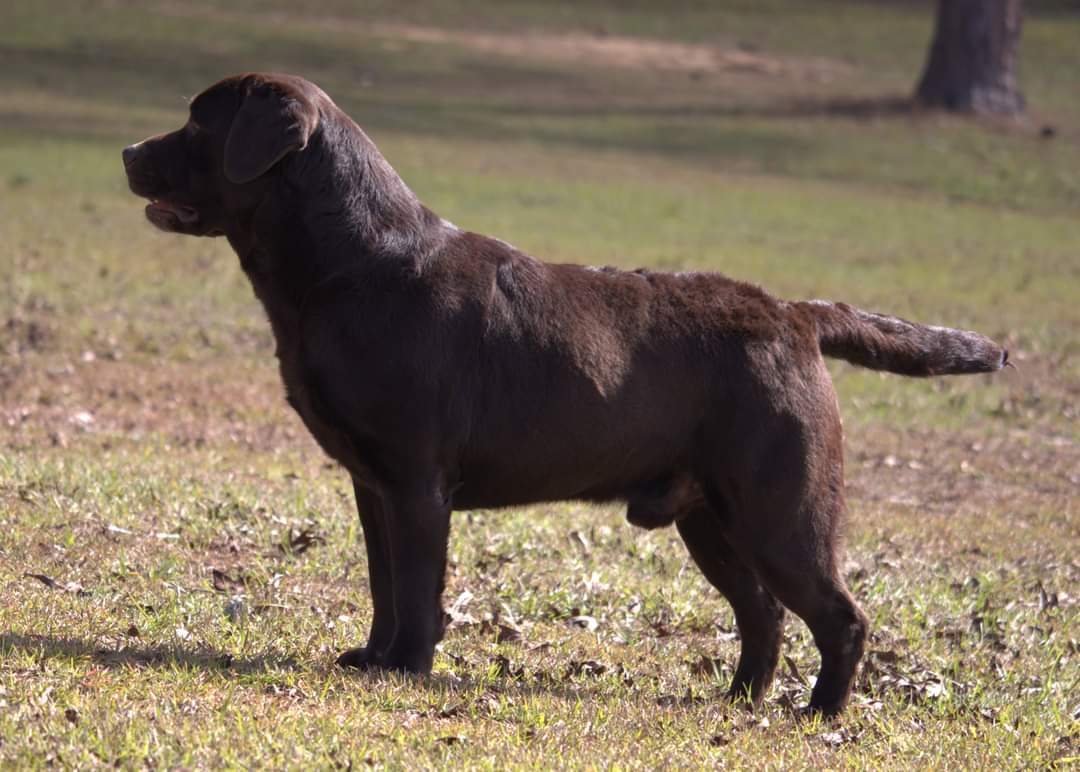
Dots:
pixel 184 214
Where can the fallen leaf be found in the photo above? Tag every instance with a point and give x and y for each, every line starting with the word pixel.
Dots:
pixel 73 587
pixel 887 656
pixel 504 633
pixel 449 711
pixel 1047 600
pixel 504 669
pixel 76 588
pixel 455 613
pixel 301 542
pixel 82 419
pixel 709 667
pixel 584 621
pixel 934 689
pixel 662 629
pixel 48 581
pixel 587 667
pixel 236 609
pixel 580 539
pixel 222 582
pixel 671 700
pixel 835 739
pixel 793 670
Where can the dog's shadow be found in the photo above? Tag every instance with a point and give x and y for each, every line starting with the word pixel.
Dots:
pixel 140 656
pixel 169 657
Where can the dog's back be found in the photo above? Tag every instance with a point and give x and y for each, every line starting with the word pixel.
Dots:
pixel 590 382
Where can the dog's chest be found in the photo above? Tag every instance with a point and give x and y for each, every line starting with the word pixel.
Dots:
pixel 285 320
pixel 325 431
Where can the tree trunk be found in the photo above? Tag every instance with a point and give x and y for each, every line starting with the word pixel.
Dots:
pixel 972 62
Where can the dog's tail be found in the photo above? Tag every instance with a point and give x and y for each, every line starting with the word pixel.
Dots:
pixel 889 343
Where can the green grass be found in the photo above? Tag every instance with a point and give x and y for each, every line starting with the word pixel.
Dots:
pixel 145 440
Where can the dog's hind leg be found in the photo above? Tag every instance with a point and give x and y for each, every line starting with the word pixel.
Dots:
pixel 795 558
pixel 839 627
pixel 759 616
pixel 786 488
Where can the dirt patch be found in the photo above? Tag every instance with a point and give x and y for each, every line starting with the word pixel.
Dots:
pixel 54 401
pixel 564 48
pixel 618 52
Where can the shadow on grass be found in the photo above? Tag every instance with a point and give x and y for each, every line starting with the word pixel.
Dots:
pixel 52 647
pixel 867 108
pixel 557 683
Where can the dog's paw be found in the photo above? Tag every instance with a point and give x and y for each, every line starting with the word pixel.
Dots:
pixel 409 662
pixel 361 658
pixel 808 713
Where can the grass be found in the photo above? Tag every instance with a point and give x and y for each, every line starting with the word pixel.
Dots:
pixel 146 443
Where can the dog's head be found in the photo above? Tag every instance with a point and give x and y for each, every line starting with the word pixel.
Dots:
pixel 203 176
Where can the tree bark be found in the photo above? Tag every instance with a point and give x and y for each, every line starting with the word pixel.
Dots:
pixel 972 61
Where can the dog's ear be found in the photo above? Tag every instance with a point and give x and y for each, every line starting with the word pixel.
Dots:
pixel 271 123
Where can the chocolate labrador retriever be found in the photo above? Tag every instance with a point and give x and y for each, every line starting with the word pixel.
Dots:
pixel 448 370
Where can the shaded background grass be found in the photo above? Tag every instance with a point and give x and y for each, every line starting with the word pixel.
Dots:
pixel 145 442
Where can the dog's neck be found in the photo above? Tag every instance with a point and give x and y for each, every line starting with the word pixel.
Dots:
pixel 353 199
pixel 339 196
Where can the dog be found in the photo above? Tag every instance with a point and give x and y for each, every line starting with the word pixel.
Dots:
pixel 448 370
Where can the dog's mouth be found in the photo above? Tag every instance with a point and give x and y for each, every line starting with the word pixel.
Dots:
pixel 170 216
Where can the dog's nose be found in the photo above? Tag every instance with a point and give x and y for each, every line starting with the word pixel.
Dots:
pixel 130 152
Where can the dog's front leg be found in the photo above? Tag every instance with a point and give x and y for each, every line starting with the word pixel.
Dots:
pixel 417 528
pixel 373 521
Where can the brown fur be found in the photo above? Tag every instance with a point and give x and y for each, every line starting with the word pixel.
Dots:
pixel 448 370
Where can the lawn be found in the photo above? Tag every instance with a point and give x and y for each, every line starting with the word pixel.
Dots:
pixel 180 565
